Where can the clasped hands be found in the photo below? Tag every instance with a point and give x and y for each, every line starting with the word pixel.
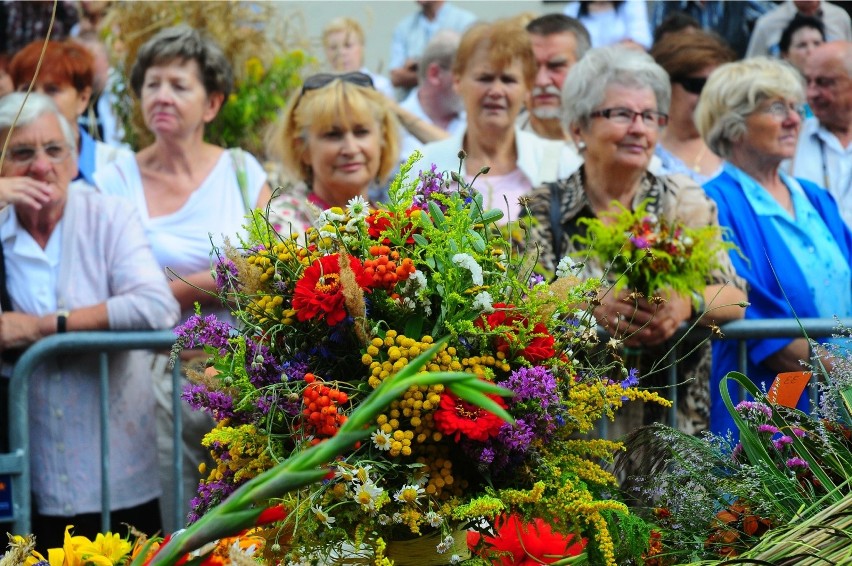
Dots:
pixel 642 321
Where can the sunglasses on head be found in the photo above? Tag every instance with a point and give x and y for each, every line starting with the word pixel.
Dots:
pixel 321 80
pixel 692 84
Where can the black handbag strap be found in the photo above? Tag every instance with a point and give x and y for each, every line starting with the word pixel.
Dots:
pixel 5 300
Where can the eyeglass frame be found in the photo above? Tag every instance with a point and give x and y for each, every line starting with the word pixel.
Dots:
pixel 10 154
pixel 796 107
pixel 659 119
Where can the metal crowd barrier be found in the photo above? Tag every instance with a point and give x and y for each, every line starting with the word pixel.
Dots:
pixel 16 462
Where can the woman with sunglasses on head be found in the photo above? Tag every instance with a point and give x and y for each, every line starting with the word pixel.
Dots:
pixel 493 70
pixel 614 104
pixel 185 188
pixel 688 58
pixel 795 251
pixel 337 137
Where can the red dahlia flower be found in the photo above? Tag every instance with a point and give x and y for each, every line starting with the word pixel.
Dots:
pixel 319 295
pixel 457 417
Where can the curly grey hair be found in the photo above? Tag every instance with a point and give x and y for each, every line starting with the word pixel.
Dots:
pixel 585 86
pixel 735 90
pixel 36 106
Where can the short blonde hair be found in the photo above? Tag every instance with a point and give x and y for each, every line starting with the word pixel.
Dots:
pixel 506 41
pixel 339 102
pixel 347 25
pixel 734 91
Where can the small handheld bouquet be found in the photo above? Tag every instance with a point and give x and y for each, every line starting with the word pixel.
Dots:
pixel 650 253
pixel 330 316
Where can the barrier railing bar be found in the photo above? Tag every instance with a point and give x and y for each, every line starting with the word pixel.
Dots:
pixel 17 462
pixel 177 452
pixel 103 358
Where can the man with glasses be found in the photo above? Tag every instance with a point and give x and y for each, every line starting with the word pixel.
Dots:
pixel 824 151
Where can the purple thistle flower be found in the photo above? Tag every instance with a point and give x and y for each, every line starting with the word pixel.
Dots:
pixel 753 409
pixel 767 428
pixel 799 432
pixel 780 443
pixel 640 242
pixel 796 462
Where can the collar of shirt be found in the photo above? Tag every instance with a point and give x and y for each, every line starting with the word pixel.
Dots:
pixel 86 160
pixel 758 198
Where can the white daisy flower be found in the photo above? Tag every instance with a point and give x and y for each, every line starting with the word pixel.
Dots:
pixel 357 207
pixel 409 494
pixel 383 519
pixel 322 516
pixel 434 519
pixel 367 494
pixel 381 440
pixel 455 559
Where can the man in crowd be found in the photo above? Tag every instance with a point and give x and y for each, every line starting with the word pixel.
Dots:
pixel 824 153
pixel 435 100
pixel 767 31
pixel 558 41
pixel 413 33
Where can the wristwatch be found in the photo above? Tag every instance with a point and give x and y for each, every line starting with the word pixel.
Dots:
pixel 61 321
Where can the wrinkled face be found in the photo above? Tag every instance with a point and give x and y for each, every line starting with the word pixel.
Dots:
pixel 802 44
pixel 344 158
pixel 554 56
pixel 71 102
pixel 772 130
pixel 627 146
pixel 174 100
pixel 344 52
pixel 492 95
pixel 829 88
pixel 39 151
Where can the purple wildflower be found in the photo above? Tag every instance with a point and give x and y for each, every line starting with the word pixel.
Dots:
pixel 799 432
pixel 262 367
pixel 227 276
pixel 767 428
pixel 197 332
pixel 796 462
pixel 534 280
pixel 640 242
pixel 517 437
pixel 217 404
pixel 632 379
pixel 486 456
pixel 751 409
pixel 780 443
pixel 532 383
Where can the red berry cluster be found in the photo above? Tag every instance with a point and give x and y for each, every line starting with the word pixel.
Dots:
pixel 387 270
pixel 323 417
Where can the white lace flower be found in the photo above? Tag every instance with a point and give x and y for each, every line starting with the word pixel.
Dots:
pixel 567 267
pixel 483 302
pixel 333 215
pixel 455 559
pixel 466 261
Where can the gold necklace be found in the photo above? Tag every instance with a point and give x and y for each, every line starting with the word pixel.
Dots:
pixel 696 163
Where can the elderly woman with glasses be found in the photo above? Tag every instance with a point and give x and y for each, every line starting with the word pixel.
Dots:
pixel 615 103
pixel 338 136
pixel 794 248
pixel 76 261
pixel 185 189
pixel 688 59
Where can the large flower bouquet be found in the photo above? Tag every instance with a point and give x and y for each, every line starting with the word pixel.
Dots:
pixel 649 253
pixel 328 316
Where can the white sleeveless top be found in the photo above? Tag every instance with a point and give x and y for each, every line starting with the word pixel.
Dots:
pixel 181 241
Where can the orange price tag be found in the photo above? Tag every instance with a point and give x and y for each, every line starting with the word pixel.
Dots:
pixel 788 387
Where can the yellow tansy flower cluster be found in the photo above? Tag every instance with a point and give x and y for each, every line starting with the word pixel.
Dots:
pixel 442 484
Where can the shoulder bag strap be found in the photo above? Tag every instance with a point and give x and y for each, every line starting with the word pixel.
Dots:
pixel 555 219
pixel 239 160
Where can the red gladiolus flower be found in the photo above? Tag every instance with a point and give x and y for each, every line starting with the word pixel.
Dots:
pixel 455 416
pixel 540 346
pixel 318 294
pixel 527 544
pixel 271 515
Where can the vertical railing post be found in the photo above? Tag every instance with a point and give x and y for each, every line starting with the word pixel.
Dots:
pixel 103 359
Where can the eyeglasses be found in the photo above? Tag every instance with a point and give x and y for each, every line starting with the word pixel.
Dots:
pixel 626 116
pixel 320 80
pixel 781 110
pixel 692 85
pixel 25 154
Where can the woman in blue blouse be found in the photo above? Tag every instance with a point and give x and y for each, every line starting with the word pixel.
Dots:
pixel 795 246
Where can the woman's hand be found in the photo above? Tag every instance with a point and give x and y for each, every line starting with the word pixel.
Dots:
pixel 642 322
pixel 24 191
pixel 19 330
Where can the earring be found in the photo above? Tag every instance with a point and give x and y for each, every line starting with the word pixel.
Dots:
pixel 581 146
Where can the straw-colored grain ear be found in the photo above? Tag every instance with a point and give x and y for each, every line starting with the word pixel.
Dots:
pixel 353 298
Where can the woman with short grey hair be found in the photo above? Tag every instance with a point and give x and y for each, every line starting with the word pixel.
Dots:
pixel 615 101
pixel 78 261
pixel 795 251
